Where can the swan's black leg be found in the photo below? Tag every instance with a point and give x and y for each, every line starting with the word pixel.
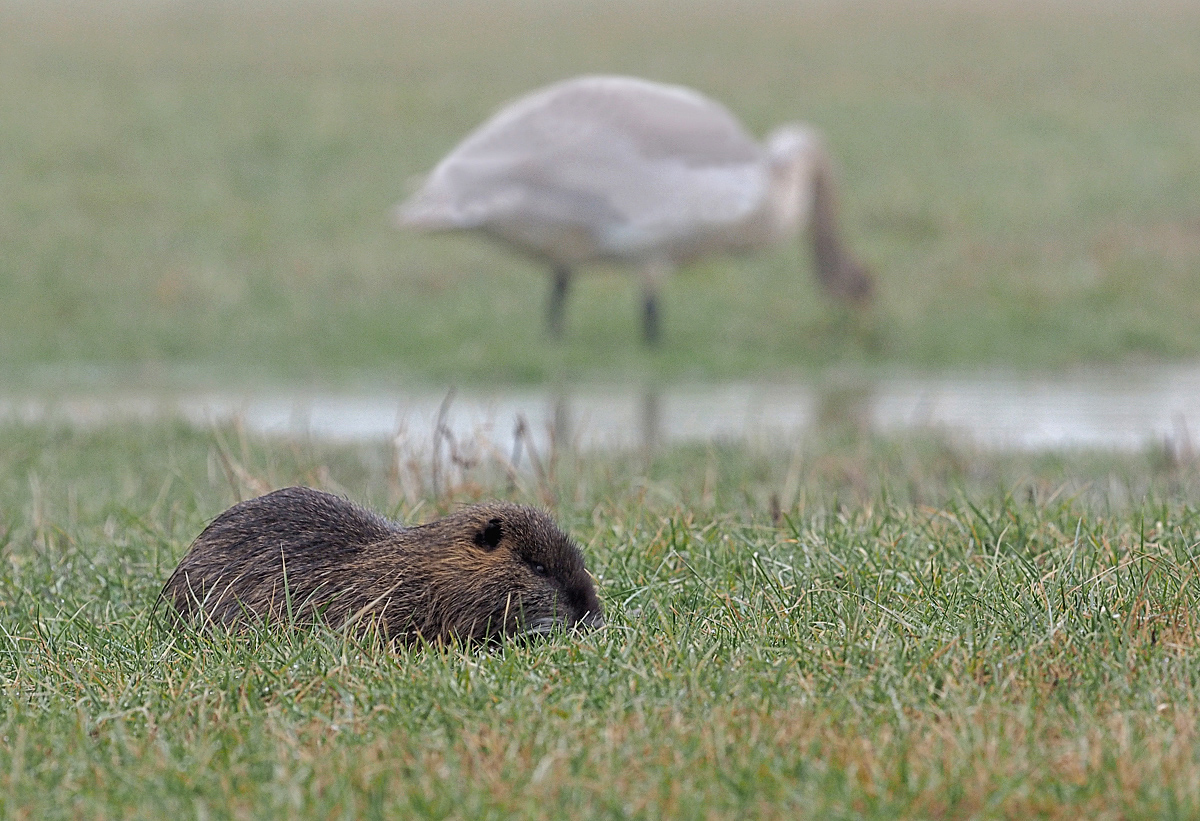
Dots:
pixel 650 317
pixel 653 274
pixel 558 295
pixel 558 289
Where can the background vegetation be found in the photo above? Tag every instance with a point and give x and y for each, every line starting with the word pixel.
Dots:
pixel 199 191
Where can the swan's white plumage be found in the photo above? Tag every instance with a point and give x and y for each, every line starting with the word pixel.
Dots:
pixel 621 169
pixel 636 168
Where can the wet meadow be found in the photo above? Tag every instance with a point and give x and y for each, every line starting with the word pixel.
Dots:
pixel 842 629
pixel 843 624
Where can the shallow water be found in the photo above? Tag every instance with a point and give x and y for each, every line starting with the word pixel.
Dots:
pixel 1121 409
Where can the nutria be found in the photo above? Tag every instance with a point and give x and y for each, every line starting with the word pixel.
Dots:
pixel 485 571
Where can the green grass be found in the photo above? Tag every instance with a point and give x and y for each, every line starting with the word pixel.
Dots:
pixel 199 192
pixel 832 629
pixel 196 194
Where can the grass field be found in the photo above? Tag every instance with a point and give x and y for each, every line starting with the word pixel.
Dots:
pixel 195 194
pixel 199 192
pixel 913 631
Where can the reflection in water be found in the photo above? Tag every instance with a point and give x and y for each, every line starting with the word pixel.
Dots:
pixel 1121 409
pixel 843 409
pixel 651 418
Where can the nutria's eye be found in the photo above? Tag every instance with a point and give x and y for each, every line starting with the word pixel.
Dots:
pixel 490 536
pixel 540 569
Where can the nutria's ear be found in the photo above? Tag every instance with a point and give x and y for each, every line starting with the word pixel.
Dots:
pixel 490 536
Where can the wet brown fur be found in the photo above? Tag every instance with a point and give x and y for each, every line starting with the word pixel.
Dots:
pixel 473 575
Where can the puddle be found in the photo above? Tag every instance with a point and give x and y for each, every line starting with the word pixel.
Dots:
pixel 1121 409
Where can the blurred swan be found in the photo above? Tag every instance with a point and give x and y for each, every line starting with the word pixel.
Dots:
pixel 619 169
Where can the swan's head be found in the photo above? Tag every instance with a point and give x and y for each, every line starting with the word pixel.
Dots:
pixel 847 279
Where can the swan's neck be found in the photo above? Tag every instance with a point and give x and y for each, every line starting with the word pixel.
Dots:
pixel 794 154
pixel 802 195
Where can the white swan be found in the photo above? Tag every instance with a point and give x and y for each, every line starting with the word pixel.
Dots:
pixel 619 169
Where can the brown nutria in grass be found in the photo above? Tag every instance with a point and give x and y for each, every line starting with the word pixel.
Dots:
pixel 298 554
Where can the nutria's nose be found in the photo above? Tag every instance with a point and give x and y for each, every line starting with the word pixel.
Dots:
pixel 591 620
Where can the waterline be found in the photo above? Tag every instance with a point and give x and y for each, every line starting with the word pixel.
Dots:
pixel 1119 409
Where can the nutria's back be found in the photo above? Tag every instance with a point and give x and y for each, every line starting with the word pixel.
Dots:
pixel 298 553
